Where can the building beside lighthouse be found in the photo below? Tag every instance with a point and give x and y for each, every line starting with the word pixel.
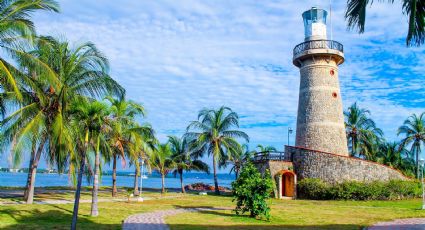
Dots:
pixel 320 149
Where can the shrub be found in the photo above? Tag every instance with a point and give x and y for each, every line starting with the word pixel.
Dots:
pixel 353 190
pixel 251 191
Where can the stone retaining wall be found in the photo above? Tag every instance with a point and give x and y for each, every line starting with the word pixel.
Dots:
pixel 334 168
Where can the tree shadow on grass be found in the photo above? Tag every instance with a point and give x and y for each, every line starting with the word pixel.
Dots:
pixel 261 224
pixel 207 210
pixel 51 219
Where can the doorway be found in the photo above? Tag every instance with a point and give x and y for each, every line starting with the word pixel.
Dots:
pixel 288 184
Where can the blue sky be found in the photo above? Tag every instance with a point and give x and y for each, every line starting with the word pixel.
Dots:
pixel 177 57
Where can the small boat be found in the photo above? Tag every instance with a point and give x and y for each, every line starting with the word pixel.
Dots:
pixel 144 177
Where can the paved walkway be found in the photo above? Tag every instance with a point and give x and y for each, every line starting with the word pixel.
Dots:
pixel 401 224
pixel 155 220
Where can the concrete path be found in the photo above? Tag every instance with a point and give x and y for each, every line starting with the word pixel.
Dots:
pixel 401 224
pixel 155 220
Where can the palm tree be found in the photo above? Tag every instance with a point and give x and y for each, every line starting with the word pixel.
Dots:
pixel 161 161
pixel 184 158
pixel 124 113
pixel 240 155
pixel 265 149
pixel 214 135
pixel 391 154
pixel 414 130
pixel 414 9
pixel 142 144
pixel 17 31
pixel 87 119
pixel 361 130
pixel 139 140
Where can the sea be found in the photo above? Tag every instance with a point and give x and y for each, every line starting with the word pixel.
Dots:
pixel 123 179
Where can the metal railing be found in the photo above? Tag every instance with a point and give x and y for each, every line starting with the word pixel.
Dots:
pixel 263 156
pixel 318 44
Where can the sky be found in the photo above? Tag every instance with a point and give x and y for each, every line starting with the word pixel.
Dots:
pixel 177 57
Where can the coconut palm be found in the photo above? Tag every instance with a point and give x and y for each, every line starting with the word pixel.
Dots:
pixel 161 161
pixel 265 149
pixel 415 11
pixel 184 158
pixel 414 130
pixel 240 155
pixel 392 155
pixel 139 141
pixel 123 117
pixel 361 130
pixel 214 135
pixel 16 33
pixel 87 120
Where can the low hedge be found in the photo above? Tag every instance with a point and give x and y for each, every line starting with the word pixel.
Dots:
pixel 316 189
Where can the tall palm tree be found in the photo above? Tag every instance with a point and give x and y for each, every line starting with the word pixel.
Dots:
pixel 143 143
pixel 161 161
pixel 87 119
pixel 240 155
pixel 414 130
pixel 414 9
pixel 16 33
pixel 360 129
pixel 124 113
pixel 184 158
pixel 214 135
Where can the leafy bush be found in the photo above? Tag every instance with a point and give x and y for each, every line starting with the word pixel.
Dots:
pixel 251 191
pixel 352 190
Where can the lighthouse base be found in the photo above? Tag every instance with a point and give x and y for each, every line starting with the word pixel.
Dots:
pixel 333 168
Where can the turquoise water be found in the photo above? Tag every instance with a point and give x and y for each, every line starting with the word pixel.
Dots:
pixel 153 181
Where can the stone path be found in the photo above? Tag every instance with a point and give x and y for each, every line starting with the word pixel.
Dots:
pixel 401 224
pixel 155 220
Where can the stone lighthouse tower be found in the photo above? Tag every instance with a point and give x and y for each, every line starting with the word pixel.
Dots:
pixel 320 122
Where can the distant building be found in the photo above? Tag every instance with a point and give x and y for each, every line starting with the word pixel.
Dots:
pixel 13 170
pixel 320 149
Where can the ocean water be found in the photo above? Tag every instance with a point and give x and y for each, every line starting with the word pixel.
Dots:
pixel 153 180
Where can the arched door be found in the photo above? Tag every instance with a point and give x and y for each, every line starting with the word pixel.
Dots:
pixel 288 184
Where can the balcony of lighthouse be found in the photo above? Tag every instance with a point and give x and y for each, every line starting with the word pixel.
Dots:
pixel 312 48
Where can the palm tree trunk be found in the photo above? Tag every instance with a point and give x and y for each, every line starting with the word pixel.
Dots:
pixel 163 183
pixel 27 187
pixel 78 191
pixel 236 174
pixel 114 177
pixel 33 171
pixel 181 181
pixel 217 191
pixel 136 181
pixel 94 209
pixel 352 146
pixel 417 147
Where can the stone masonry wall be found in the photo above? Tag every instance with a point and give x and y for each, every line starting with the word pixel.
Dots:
pixel 320 121
pixel 334 168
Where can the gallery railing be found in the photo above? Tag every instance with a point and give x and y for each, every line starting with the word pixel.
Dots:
pixel 318 44
pixel 263 156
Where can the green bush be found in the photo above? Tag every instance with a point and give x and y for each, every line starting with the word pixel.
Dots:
pixel 251 191
pixel 352 190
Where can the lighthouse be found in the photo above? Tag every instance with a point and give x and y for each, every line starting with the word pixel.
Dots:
pixel 320 149
pixel 320 120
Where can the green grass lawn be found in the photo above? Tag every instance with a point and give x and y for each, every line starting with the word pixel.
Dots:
pixel 293 214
